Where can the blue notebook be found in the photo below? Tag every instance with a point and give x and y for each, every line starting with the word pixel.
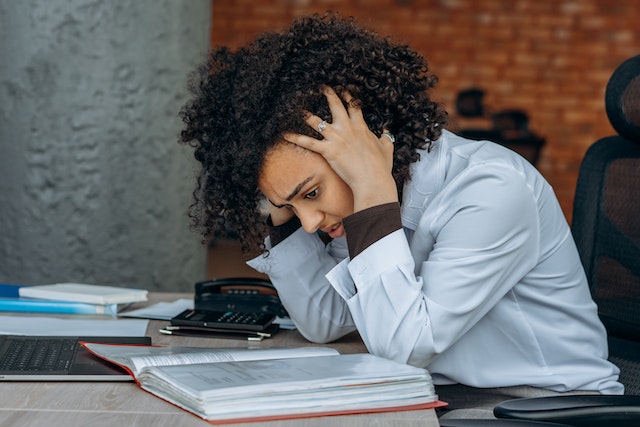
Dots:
pixel 31 305
pixel 9 291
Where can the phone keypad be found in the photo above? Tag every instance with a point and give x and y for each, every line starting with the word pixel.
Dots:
pixel 254 321
pixel 242 318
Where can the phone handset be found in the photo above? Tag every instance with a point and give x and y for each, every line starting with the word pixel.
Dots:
pixel 238 294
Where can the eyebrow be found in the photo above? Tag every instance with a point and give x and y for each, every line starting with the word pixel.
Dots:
pixel 298 188
pixel 293 193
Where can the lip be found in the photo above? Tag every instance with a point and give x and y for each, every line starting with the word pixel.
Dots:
pixel 336 231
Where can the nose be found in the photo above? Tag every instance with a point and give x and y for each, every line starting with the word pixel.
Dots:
pixel 311 219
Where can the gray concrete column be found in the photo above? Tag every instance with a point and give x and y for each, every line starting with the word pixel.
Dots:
pixel 93 185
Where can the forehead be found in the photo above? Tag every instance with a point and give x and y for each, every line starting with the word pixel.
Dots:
pixel 284 167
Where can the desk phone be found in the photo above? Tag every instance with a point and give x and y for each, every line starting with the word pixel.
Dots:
pixel 225 320
pixel 238 294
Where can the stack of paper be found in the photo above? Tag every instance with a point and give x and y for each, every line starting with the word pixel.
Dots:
pixel 235 385
pixel 67 298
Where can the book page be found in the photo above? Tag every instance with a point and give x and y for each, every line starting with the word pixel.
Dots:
pixel 137 358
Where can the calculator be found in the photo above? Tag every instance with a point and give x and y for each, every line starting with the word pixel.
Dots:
pixel 225 320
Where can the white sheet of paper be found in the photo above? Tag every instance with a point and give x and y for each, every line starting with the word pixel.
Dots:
pixel 32 325
pixel 161 310
pixel 285 323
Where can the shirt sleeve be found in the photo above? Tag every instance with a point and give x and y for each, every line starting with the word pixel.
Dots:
pixel 297 267
pixel 370 225
pixel 278 233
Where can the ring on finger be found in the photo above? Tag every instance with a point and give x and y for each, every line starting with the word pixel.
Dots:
pixel 390 136
pixel 322 126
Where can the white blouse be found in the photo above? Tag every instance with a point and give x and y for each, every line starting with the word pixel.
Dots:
pixel 483 286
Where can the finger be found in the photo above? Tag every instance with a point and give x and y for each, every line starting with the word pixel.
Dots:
pixel 353 109
pixel 304 141
pixel 316 122
pixel 338 112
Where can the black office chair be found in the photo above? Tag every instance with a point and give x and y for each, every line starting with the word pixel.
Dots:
pixel 496 423
pixel 606 228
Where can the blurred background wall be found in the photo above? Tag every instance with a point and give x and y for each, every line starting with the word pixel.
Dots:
pixel 93 184
pixel 551 58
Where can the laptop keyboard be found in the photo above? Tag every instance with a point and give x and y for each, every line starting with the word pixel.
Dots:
pixel 38 355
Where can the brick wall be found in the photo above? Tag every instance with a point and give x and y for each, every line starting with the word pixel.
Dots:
pixel 552 58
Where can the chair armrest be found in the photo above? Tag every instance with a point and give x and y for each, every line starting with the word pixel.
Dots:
pixel 575 410
pixel 470 422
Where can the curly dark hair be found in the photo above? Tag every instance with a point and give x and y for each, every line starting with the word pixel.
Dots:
pixel 243 102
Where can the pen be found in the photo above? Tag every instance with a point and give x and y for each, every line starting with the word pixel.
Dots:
pixel 210 333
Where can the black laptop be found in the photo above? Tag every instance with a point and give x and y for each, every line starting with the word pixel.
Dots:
pixel 58 358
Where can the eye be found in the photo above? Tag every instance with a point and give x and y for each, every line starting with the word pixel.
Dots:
pixel 312 194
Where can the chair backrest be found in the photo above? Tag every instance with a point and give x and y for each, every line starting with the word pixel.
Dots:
pixel 606 227
pixel 606 214
pixel 606 221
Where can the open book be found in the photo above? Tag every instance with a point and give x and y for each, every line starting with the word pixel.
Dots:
pixel 227 385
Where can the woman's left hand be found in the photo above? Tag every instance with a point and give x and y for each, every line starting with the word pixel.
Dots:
pixel 356 154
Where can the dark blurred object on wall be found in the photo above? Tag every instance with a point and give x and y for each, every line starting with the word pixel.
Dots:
pixel 469 103
pixel 509 128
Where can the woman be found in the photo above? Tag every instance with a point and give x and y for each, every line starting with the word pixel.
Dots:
pixel 442 252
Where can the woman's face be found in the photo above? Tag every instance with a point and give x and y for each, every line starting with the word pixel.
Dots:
pixel 302 181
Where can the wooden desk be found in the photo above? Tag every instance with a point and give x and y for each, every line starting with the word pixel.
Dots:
pixel 125 404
